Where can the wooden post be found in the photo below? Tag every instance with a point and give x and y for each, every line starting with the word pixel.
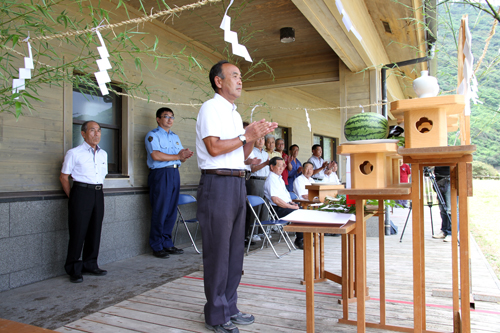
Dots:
pixel 309 277
pixel 418 302
pixel 360 265
pixel 454 245
pixel 464 120
pixel 381 258
pixel 463 205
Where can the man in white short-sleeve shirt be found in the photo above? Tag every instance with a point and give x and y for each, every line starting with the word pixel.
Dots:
pixel 299 184
pixel 277 194
pixel 88 165
pixel 222 146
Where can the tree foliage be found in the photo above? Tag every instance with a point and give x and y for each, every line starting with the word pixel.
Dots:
pixel 485 118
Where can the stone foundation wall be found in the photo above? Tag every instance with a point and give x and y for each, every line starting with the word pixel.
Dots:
pixel 34 234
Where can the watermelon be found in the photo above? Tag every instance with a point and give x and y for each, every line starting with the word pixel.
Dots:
pixel 366 126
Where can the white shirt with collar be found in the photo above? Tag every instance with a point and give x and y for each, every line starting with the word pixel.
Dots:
pixel 249 166
pixel 299 185
pixel 84 166
pixel 219 118
pixel 332 178
pixel 263 156
pixel 275 187
pixel 317 162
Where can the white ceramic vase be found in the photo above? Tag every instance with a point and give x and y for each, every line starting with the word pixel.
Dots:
pixel 425 85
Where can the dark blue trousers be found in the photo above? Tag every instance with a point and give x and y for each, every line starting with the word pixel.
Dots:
pixel 221 214
pixel 164 185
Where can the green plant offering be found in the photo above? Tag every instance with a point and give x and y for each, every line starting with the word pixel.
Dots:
pixel 339 204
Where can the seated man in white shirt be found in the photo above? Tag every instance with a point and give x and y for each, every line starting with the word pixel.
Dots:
pixel 331 174
pixel 299 184
pixel 275 191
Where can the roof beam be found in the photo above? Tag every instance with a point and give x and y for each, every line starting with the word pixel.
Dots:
pixel 356 54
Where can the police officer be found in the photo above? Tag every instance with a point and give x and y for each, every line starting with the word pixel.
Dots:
pixel 165 155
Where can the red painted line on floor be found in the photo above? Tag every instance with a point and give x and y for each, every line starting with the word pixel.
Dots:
pixel 339 295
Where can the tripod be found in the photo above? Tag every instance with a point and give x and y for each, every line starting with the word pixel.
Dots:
pixel 429 180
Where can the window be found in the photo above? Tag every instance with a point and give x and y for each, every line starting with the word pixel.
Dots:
pixel 283 133
pixel 90 104
pixel 329 146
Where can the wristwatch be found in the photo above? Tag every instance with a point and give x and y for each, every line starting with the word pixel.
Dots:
pixel 243 139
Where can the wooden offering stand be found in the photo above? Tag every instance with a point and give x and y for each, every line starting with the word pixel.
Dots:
pixel 428 120
pixel 317 193
pixel 380 181
pixel 369 167
pixel 321 190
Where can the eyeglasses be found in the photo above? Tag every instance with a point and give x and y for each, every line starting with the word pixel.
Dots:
pixel 168 117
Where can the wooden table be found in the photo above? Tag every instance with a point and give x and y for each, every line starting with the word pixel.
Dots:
pixel 395 192
pixel 458 158
pixel 309 231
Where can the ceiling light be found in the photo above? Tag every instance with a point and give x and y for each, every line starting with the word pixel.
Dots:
pixel 287 35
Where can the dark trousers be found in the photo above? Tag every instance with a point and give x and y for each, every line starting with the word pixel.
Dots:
pixel 284 212
pixel 221 214
pixel 255 187
pixel 85 214
pixel 164 185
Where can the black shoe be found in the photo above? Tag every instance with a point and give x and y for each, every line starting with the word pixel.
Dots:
pixel 96 271
pixel 161 254
pixel 173 250
pixel 76 278
pixel 299 243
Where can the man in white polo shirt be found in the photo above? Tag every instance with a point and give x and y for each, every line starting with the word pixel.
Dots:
pixel 221 149
pixel 277 194
pixel 299 184
pixel 88 165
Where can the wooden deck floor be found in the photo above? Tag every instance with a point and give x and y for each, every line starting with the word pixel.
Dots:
pixel 270 290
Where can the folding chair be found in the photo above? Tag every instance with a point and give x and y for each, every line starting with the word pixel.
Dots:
pixel 293 196
pixel 185 199
pixel 254 201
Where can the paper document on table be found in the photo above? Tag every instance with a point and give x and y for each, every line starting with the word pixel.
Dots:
pixel 318 217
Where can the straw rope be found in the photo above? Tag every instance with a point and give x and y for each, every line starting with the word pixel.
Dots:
pixel 131 21
pixel 492 32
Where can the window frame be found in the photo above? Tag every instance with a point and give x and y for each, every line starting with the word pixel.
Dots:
pixel 115 170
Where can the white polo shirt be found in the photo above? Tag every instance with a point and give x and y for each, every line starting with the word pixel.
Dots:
pixel 275 187
pixel 84 166
pixel 263 156
pixel 299 185
pixel 332 178
pixel 219 118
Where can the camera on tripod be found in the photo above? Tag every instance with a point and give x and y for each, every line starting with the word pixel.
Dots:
pixel 427 171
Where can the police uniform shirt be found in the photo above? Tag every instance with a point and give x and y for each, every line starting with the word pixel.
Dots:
pixel 165 142
pixel 317 163
pixel 84 166
pixel 263 156
pixel 219 118
pixel 299 185
pixel 275 187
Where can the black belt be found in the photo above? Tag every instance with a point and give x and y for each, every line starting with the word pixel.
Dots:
pixel 318 179
pixel 175 166
pixel 257 177
pixel 96 187
pixel 224 172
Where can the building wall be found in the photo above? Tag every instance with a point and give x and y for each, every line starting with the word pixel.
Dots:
pixel 34 234
pixel 33 210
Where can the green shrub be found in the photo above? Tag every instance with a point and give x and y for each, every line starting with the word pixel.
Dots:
pixel 483 169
